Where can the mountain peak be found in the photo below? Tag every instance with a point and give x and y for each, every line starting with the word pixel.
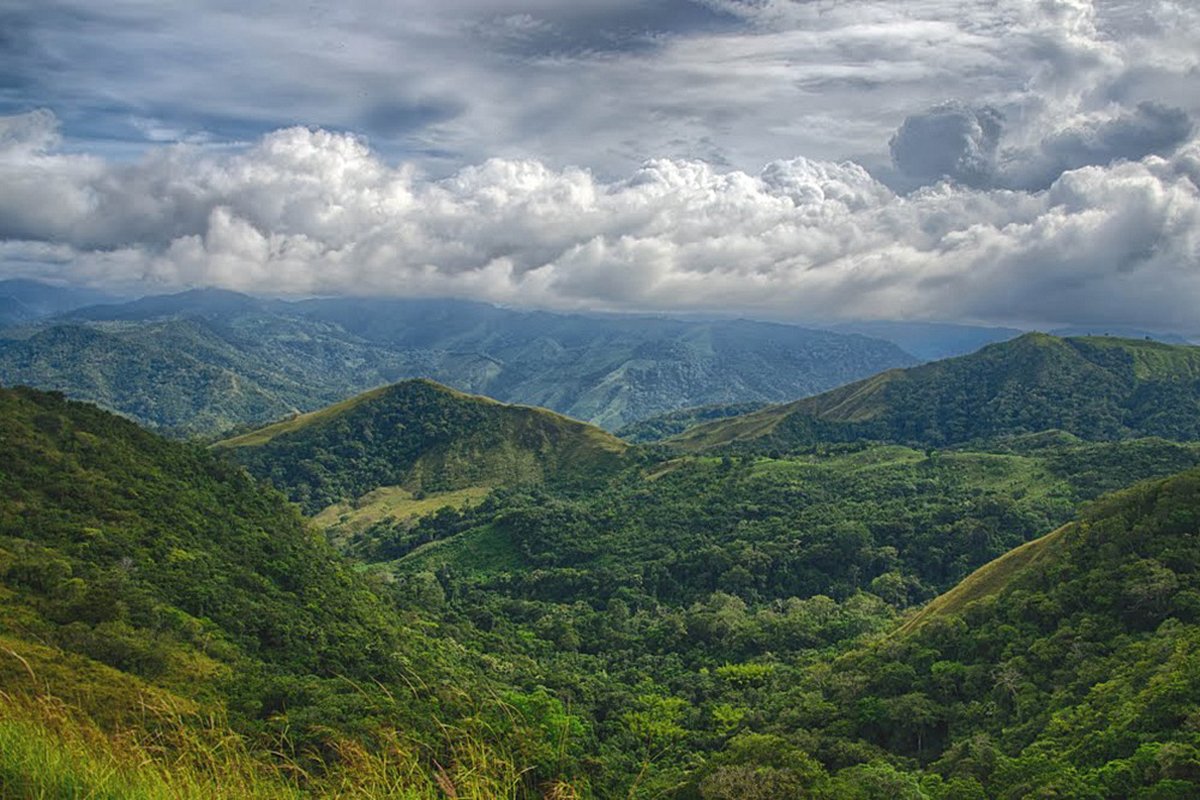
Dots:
pixel 191 302
pixel 423 436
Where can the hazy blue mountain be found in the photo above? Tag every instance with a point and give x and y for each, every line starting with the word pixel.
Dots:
pixel 931 341
pixel 204 303
pixel 612 370
pixel 14 312
pixel 191 375
pixel 207 361
pixel 23 300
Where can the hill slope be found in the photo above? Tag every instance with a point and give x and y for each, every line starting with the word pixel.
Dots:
pixel 106 528
pixel 1095 388
pixel 1068 668
pixel 169 628
pixel 673 423
pixel 424 437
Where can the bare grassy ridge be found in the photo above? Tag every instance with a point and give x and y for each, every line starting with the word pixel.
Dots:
pixel 988 580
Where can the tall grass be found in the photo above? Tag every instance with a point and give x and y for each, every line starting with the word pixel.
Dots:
pixel 50 750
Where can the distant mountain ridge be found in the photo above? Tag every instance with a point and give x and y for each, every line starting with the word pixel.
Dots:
pixel 23 300
pixel 931 341
pixel 1095 388
pixel 187 350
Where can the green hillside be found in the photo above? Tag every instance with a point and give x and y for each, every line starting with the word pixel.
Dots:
pixel 902 523
pixel 169 629
pixel 672 423
pixel 709 585
pixel 1069 668
pixel 823 624
pixel 425 438
pixel 1097 388
pixel 107 526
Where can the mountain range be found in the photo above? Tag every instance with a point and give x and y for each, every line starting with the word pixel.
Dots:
pixel 207 361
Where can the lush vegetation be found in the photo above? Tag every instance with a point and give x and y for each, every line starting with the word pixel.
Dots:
pixel 205 362
pixel 1098 388
pixel 425 438
pixel 525 606
pixel 694 589
pixel 1074 672
pixel 1066 668
pixel 140 576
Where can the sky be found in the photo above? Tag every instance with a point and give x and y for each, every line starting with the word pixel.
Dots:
pixel 1002 162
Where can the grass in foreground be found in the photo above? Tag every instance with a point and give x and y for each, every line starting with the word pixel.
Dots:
pixel 50 750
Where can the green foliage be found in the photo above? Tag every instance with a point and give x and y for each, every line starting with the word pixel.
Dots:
pixel 711 579
pixel 610 623
pixel 1094 388
pixel 1074 676
pixel 425 437
pixel 108 530
pixel 886 519
pixel 672 423
pixel 135 568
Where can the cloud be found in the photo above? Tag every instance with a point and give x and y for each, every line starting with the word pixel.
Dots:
pixel 950 141
pixel 1152 128
pixel 444 85
pixel 960 143
pixel 309 211
pixel 24 134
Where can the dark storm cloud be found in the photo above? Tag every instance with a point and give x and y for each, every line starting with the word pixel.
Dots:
pixel 573 30
pixel 600 83
pixel 950 141
pixel 1150 129
pixel 958 143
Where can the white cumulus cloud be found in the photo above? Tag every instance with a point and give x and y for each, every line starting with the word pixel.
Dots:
pixel 308 211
